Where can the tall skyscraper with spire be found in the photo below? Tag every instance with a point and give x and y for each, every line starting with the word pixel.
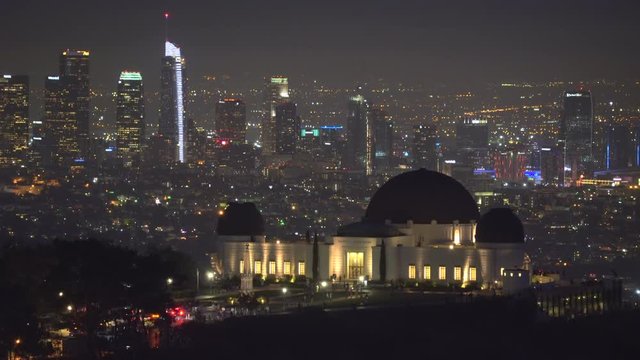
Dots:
pixel 276 93
pixel 172 123
pixel 74 74
pixel 130 118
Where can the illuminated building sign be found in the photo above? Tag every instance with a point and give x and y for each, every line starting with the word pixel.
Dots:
pixel 310 132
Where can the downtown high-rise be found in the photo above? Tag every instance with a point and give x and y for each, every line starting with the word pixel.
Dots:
pixel 276 93
pixel 231 120
pixel 360 149
pixel 130 122
pixel 576 135
pixel 383 140
pixel 14 119
pixel 74 74
pixel 287 128
pixel 60 128
pixel 172 122
pixel 425 147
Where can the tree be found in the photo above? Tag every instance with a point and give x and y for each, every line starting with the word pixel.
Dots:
pixel 314 263
pixel 383 262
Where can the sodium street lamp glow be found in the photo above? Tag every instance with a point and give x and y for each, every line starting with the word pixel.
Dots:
pixel 60 294
pixel 323 284
pixel 69 307
pixel 210 275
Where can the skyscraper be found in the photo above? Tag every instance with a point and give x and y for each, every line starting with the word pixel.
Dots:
pixel 287 128
pixel 14 119
pixel 74 72
pixel 276 93
pixel 231 120
pixel 425 147
pixel 620 150
pixel 576 135
pixel 60 124
pixel 360 149
pixel 172 123
pixel 383 139
pixel 472 143
pixel 130 121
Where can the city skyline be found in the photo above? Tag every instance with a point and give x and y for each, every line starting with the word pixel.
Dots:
pixel 465 44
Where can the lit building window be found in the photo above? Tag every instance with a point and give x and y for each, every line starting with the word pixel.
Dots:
pixel 412 271
pixel 473 274
pixel 241 267
pixel 355 265
pixel 442 273
pixel 501 271
pixel 257 267
pixel 456 236
pixel 286 269
pixel 272 267
pixel 301 269
pixel 427 272
pixel 457 273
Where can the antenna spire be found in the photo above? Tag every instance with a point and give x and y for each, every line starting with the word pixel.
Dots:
pixel 166 26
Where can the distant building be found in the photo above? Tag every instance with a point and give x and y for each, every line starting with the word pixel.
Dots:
pixel 383 140
pixel 552 165
pixel 61 146
pixel 14 119
pixel 425 147
pixel 74 74
pixel 472 143
pixel 276 93
pixel 576 135
pixel 231 120
pixel 172 123
pixel 619 147
pixel 130 121
pixel 287 128
pixel 510 164
pixel 360 147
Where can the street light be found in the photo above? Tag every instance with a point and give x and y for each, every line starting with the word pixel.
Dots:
pixel 60 294
pixel 323 284
pixel 210 275
pixel 284 298
pixel 169 281
pixel 69 307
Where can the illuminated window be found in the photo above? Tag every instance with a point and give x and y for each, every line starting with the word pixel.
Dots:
pixel 427 272
pixel 257 267
pixel 287 268
pixel 241 266
pixel 472 274
pixel 301 269
pixel 501 271
pixel 272 267
pixel 412 271
pixel 457 273
pixel 442 273
pixel 456 236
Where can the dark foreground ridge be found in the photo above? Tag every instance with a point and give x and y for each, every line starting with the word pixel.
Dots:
pixel 492 329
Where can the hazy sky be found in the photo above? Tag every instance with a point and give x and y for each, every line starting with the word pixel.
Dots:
pixel 341 42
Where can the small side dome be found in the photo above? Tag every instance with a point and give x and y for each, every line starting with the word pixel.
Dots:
pixel 241 219
pixel 500 225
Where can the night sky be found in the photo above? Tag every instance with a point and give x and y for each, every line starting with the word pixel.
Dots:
pixel 340 42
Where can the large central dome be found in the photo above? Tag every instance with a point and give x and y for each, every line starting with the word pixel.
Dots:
pixel 422 196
